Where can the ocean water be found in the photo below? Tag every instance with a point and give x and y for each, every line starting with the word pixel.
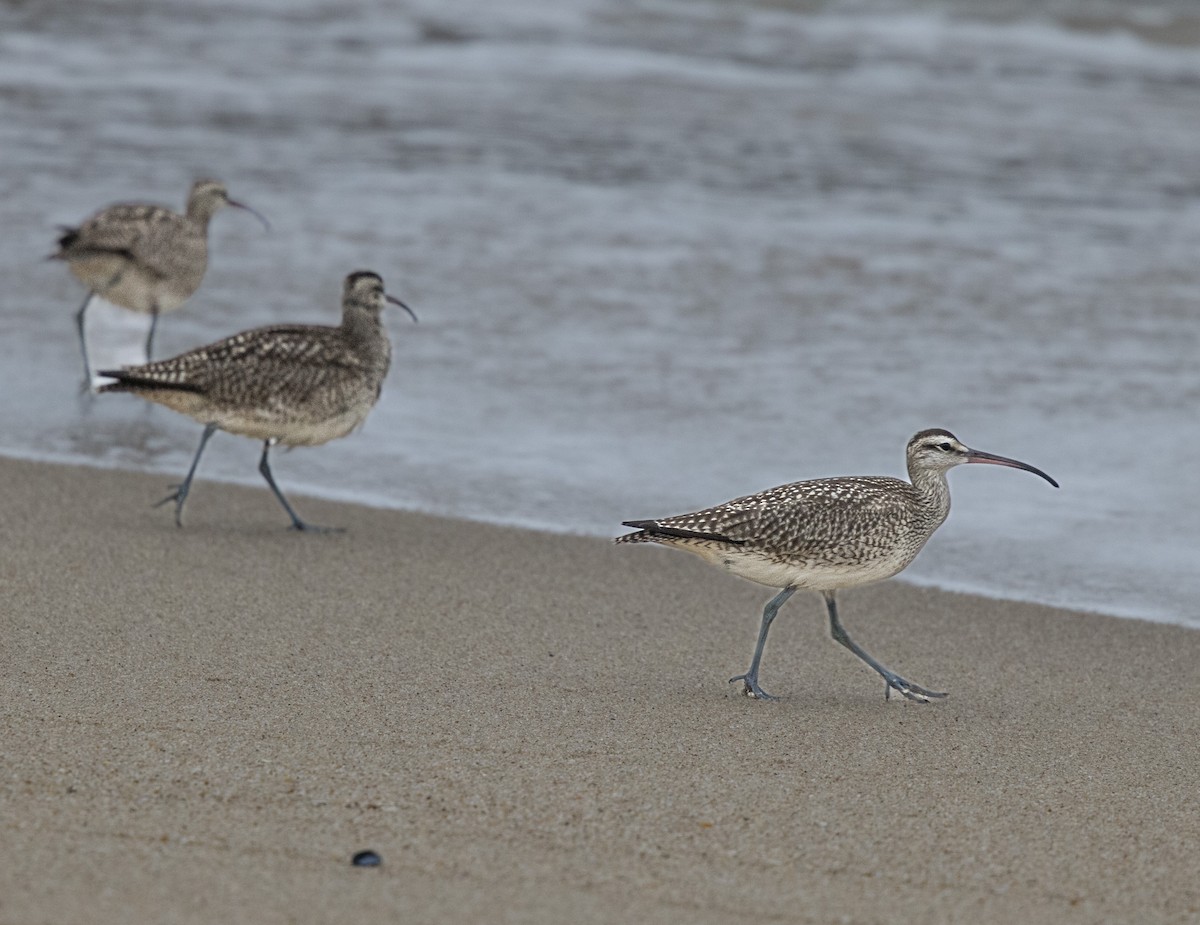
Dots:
pixel 664 252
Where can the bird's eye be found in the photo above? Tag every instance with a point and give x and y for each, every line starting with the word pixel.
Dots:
pixel 945 446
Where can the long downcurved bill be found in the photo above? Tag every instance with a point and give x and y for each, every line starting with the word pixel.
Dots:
pixel 395 301
pixel 258 215
pixel 978 456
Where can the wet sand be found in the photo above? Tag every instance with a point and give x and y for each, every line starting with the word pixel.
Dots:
pixel 203 725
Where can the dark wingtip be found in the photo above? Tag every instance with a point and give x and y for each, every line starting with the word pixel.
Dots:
pixel 129 380
pixel 654 528
pixel 631 537
pixel 119 383
pixel 67 237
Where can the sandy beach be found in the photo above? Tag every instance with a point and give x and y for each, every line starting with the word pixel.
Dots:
pixel 204 725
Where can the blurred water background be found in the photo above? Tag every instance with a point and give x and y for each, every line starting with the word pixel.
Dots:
pixel 664 252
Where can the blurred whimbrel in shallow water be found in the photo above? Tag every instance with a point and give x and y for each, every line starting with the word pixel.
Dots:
pixel 144 257
pixel 295 384
pixel 826 534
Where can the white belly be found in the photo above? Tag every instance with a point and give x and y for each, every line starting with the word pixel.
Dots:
pixel 288 433
pixel 287 426
pixel 811 576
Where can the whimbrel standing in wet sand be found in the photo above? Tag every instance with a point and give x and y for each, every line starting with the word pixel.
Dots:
pixel 295 384
pixel 144 257
pixel 827 534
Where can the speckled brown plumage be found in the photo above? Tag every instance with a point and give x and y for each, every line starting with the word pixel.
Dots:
pixel 850 524
pixel 145 258
pixel 299 385
pixel 826 534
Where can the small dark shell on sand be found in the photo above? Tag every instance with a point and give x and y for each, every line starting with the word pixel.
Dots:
pixel 366 859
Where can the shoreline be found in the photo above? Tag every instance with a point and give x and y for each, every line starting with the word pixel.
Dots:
pixel 205 724
pixel 380 503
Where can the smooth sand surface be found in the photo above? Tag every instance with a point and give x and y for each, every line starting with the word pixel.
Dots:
pixel 203 725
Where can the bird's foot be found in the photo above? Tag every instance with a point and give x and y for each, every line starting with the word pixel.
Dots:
pixel 178 495
pixel 302 527
pixel 750 687
pixel 908 690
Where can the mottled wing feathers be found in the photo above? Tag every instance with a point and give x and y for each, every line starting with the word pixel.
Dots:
pixel 129 231
pixel 72 245
pixel 825 520
pixel 296 359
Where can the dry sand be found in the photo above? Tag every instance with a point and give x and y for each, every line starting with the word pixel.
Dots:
pixel 203 725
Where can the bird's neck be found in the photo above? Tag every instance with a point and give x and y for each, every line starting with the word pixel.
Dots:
pixel 201 211
pixel 364 330
pixel 933 491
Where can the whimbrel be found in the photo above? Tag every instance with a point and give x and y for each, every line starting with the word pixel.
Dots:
pixel 827 534
pixel 295 384
pixel 144 257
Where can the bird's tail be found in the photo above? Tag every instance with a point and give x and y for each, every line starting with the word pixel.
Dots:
pixel 68 237
pixel 136 379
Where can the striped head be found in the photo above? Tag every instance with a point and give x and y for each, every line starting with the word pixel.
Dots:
pixel 939 450
pixel 364 289
pixel 208 196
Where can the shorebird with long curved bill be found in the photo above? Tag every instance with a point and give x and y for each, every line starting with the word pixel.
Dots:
pixel 294 384
pixel 146 258
pixel 827 534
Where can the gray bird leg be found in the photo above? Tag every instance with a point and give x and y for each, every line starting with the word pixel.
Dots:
pixel 750 678
pixel 179 495
pixel 892 681
pixel 264 467
pixel 87 366
pixel 79 325
pixel 150 335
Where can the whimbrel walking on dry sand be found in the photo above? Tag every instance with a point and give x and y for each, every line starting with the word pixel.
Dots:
pixel 827 534
pixel 295 384
pixel 144 257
